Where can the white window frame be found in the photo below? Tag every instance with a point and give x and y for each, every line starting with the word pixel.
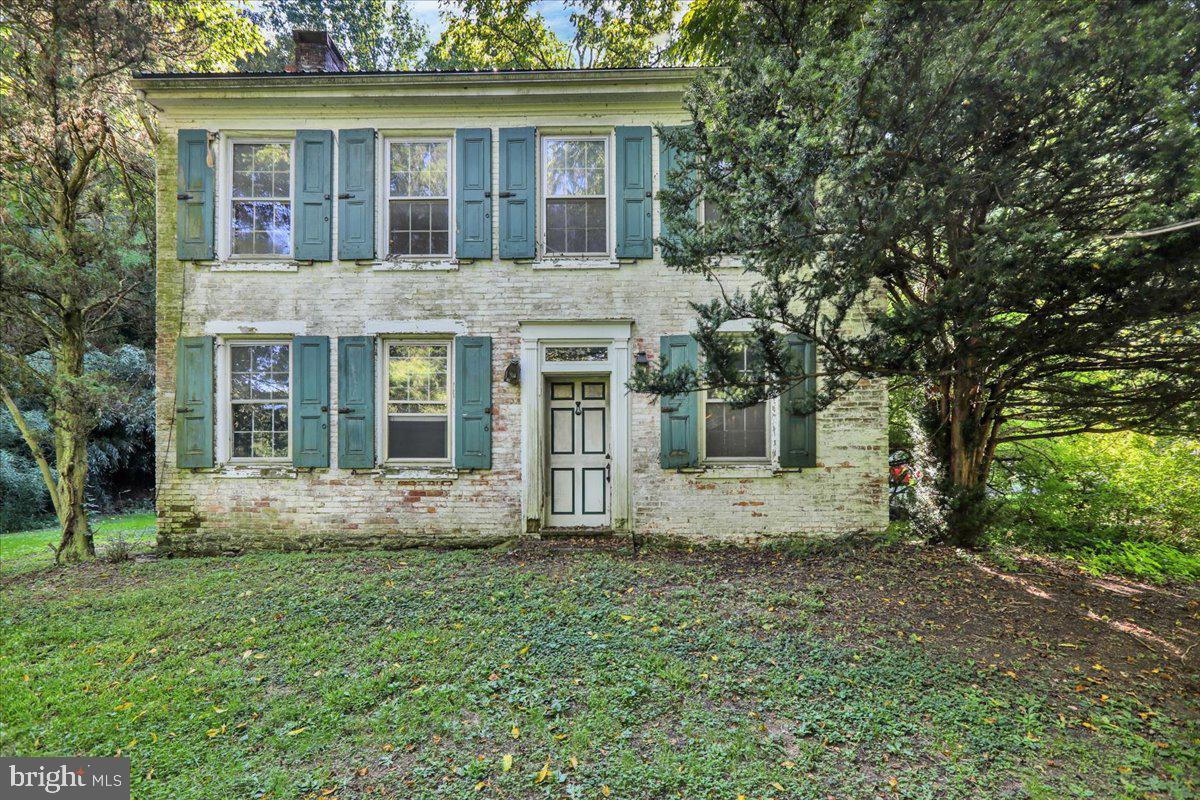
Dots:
pixel 381 399
pixel 225 193
pixel 384 158
pixel 225 396
pixel 609 195
pixel 770 407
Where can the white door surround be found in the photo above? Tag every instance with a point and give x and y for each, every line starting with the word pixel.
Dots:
pixel 570 348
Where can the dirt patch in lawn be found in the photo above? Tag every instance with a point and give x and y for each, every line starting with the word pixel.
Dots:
pixel 1091 634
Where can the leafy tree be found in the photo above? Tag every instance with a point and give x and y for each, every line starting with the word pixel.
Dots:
pixel 371 34
pixel 75 207
pixel 513 34
pixel 977 176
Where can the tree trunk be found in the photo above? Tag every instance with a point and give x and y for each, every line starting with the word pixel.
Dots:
pixel 71 429
pixel 963 430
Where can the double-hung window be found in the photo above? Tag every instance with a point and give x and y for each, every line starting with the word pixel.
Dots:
pixel 735 434
pixel 418 194
pixel 261 199
pixel 260 390
pixel 710 213
pixel 575 189
pixel 417 387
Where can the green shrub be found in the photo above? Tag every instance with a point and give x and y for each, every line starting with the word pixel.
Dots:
pixel 1127 502
pixel 24 501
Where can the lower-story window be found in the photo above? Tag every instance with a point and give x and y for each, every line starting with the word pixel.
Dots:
pixel 417 389
pixel 735 434
pixel 259 396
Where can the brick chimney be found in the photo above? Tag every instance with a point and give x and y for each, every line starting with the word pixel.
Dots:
pixel 316 52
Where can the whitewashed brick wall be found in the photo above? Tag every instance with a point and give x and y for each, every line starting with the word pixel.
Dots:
pixel 228 511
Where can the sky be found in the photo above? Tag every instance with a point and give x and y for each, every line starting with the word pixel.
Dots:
pixel 557 15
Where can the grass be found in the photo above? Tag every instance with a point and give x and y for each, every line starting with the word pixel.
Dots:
pixel 25 550
pixel 549 674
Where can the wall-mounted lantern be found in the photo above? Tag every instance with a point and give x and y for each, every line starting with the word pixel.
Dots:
pixel 641 360
pixel 512 373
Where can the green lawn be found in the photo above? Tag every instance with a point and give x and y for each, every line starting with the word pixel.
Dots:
pixel 565 672
pixel 30 549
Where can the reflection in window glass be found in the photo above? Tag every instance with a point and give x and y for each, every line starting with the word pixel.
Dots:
pixel 575 190
pixel 260 385
pixel 576 353
pixel 710 213
pixel 735 434
pixel 418 400
pixel 419 198
pixel 261 188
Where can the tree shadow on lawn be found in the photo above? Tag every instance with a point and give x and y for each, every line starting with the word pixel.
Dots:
pixel 900 672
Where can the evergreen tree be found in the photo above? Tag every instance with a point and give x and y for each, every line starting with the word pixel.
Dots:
pixel 1006 186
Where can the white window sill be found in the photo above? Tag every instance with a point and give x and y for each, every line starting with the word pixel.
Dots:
pixel 430 265
pixel 731 262
pixel 576 262
pixel 233 470
pixel 406 472
pixel 234 265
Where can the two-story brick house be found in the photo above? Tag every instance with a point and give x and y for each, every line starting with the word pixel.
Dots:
pixel 401 308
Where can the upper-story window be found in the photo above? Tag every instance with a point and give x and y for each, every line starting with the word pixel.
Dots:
pixel 259 396
pixel 261 198
pixel 575 189
pixel 419 197
pixel 735 434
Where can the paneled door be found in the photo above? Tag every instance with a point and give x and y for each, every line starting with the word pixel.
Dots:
pixel 580 453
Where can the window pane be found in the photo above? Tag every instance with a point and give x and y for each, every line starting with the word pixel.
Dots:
pixel 730 433
pixel 262 171
pixel 262 227
pixel 423 438
pixel 419 227
pixel 574 167
pixel 419 169
pixel 262 223
pixel 576 226
pixel 712 213
pixel 260 430
pixel 259 389
pixel 563 353
pixel 418 373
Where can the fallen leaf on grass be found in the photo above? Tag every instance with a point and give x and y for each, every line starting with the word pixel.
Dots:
pixel 506 762
pixel 297 730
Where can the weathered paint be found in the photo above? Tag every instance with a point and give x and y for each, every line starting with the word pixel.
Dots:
pixel 232 509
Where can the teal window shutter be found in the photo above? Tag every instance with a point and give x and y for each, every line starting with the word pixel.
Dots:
pixel 194 197
pixel 679 439
pixel 473 402
pixel 194 402
pixel 356 193
pixel 356 402
pixel 635 194
pixel 473 193
pixel 797 429
pixel 314 183
pixel 518 185
pixel 669 164
pixel 310 401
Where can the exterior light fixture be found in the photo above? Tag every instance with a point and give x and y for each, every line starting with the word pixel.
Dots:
pixel 641 360
pixel 512 373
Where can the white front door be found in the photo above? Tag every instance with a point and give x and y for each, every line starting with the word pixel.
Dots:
pixel 579 453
